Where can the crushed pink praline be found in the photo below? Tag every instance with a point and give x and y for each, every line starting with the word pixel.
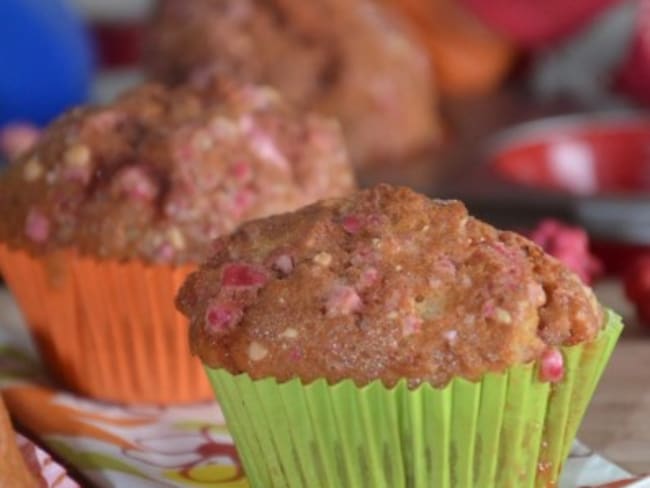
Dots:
pixel 137 184
pixel 37 226
pixel 551 366
pixel 186 152
pixel 266 148
pixel 342 300
pixel 351 224
pixel 77 174
pixel 284 264
pixel 570 245
pixel 242 172
pixel 104 121
pixel 411 325
pixel 165 252
pixel 244 275
pixel 369 277
pixel 295 354
pixel 451 336
pixel 488 309
pixel 242 201
pixel 222 317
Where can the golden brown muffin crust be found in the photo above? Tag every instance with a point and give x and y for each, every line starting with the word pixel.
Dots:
pixel 160 172
pixel 385 284
pixel 345 58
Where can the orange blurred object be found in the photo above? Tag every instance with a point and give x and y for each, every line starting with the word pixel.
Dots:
pixel 467 57
pixel 108 329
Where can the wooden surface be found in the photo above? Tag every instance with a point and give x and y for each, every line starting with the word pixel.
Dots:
pixel 617 423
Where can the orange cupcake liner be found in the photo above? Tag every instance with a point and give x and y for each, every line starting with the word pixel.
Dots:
pixel 108 329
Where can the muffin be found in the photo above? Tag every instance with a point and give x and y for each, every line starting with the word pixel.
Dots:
pixel 345 58
pixel 13 471
pixel 455 39
pixel 395 339
pixel 114 205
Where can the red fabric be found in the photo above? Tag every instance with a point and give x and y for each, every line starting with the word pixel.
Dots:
pixel 634 75
pixel 118 45
pixel 637 287
pixel 537 23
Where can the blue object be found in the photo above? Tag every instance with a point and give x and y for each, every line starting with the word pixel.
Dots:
pixel 46 60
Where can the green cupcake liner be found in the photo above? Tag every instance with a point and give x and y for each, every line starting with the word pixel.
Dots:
pixel 507 430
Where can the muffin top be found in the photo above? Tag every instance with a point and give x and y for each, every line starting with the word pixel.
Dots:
pixel 161 172
pixel 347 58
pixel 384 284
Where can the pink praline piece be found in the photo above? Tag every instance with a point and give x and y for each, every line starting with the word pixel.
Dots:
pixel 244 275
pixel 37 226
pixel 351 224
pixel 222 317
pixel 137 184
pixel 284 264
pixel 551 366
pixel 342 300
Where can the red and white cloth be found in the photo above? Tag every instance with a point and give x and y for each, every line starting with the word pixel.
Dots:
pixel 634 73
pixel 585 49
pixel 536 24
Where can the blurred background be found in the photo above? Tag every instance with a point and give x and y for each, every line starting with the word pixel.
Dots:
pixel 540 106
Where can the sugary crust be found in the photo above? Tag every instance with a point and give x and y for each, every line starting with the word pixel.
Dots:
pixel 345 58
pixel 385 284
pixel 161 172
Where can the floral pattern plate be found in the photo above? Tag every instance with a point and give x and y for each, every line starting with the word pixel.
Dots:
pixel 50 474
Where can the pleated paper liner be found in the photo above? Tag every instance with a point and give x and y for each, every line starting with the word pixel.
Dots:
pixel 508 430
pixel 106 329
